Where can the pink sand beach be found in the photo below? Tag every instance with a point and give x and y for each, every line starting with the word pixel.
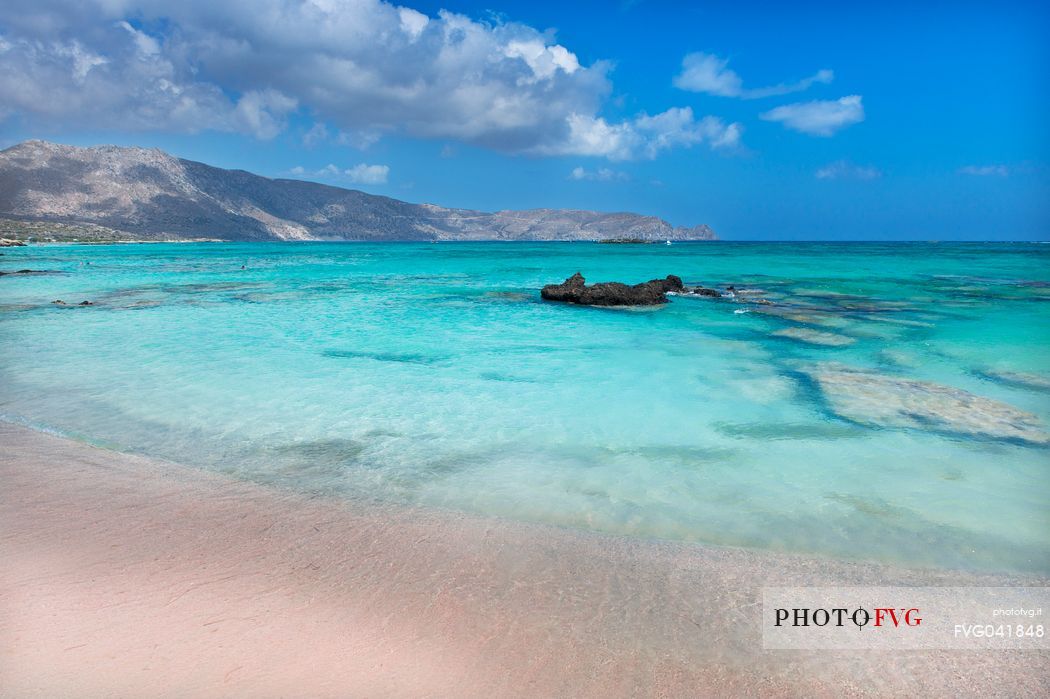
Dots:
pixel 130 577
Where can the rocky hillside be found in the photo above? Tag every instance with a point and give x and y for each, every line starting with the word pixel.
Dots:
pixel 148 194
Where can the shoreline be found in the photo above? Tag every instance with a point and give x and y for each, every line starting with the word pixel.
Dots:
pixel 130 576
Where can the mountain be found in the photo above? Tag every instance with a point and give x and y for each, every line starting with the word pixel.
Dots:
pixel 149 194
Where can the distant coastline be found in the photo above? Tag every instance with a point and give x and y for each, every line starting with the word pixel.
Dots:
pixel 41 232
pixel 112 193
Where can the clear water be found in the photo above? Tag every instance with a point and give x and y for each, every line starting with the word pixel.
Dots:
pixel 434 375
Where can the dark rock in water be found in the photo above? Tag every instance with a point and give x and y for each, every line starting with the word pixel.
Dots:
pixel 29 271
pixel 59 302
pixel 697 291
pixel 575 290
pixel 672 282
pixel 85 303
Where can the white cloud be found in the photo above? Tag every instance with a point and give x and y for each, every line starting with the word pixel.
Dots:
pixel 544 61
pixel 645 136
pixel 368 174
pixel 362 173
pixel 985 170
pixel 145 43
pixel 262 113
pixel 360 67
pixel 82 60
pixel 705 72
pixel 361 139
pixel 61 81
pixel 319 134
pixel 820 117
pixel 412 22
pixel 595 136
pixel 602 174
pixel 845 170
pixel 677 127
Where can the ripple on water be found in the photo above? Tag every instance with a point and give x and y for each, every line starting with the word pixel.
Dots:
pixel 766 431
pixel 396 357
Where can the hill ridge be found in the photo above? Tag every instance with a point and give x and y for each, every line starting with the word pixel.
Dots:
pixel 147 193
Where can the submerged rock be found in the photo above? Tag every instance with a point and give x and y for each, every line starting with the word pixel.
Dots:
pixel 30 272
pixel 880 400
pixel 1021 379
pixel 815 337
pixel 697 291
pixel 505 296
pixel 575 290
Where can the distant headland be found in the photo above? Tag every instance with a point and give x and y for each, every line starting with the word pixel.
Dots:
pixel 50 191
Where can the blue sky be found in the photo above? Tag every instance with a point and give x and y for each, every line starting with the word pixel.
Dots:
pixel 765 120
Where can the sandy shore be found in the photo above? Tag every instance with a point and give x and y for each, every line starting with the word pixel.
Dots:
pixel 123 576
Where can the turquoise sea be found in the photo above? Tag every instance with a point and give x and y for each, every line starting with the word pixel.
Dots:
pixel 885 402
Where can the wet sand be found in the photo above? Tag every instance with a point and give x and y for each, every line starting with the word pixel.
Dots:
pixel 124 576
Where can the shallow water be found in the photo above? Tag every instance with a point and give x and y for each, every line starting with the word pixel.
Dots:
pixel 433 374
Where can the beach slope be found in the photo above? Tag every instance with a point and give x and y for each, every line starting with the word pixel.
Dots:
pixel 124 576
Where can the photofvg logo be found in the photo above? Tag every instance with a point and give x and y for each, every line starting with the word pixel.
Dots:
pixel 844 618
pixel 841 616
